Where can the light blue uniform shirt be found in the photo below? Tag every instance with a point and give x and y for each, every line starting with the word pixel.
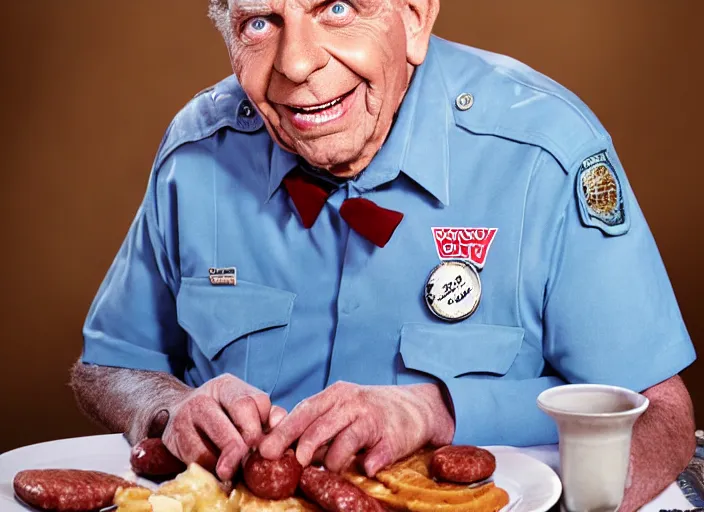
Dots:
pixel 569 294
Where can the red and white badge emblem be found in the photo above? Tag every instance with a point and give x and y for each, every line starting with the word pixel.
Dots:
pixel 469 244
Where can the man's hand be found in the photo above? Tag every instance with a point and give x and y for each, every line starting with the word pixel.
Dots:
pixel 390 421
pixel 216 424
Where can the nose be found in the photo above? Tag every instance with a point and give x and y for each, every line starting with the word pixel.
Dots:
pixel 300 53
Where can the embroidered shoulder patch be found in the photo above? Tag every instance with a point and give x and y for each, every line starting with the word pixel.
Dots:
pixel 600 195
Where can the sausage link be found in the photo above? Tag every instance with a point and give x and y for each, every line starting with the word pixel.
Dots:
pixel 151 458
pixel 272 479
pixel 462 464
pixel 335 494
pixel 67 490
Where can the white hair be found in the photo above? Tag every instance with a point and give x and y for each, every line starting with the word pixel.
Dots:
pixel 219 12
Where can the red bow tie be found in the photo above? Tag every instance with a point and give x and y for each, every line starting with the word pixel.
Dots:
pixel 309 195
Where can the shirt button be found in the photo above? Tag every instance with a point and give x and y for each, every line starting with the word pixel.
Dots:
pixel 246 109
pixel 247 119
pixel 464 101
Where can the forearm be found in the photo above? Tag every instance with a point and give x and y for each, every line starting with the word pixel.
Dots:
pixel 663 443
pixel 125 400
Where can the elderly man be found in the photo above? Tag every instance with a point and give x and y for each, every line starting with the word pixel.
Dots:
pixel 393 239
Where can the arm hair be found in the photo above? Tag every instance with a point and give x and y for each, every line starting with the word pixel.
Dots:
pixel 123 400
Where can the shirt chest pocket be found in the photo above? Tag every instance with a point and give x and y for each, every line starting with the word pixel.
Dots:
pixel 458 351
pixel 238 329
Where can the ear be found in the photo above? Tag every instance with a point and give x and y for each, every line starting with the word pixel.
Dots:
pixel 419 17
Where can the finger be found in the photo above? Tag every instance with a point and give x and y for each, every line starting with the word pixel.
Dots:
pixel 210 419
pixel 346 446
pixel 234 389
pixel 189 445
pixel 380 456
pixel 276 414
pixel 230 458
pixel 245 415
pixel 294 424
pixel 320 432
pixel 206 457
pixel 263 403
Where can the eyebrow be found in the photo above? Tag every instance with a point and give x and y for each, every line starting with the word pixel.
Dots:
pixel 245 7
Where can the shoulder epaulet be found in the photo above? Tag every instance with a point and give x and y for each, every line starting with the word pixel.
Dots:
pixel 513 101
pixel 500 96
pixel 222 105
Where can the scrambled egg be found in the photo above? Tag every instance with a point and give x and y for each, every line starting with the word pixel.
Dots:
pixel 194 490
pixel 197 490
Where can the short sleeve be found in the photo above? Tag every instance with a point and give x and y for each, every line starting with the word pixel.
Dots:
pixel 132 321
pixel 611 315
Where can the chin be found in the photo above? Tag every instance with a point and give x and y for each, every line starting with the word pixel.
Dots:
pixel 325 158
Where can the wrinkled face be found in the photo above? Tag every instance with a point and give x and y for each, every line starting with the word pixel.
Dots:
pixel 326 76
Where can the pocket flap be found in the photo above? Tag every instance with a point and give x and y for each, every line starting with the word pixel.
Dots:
pixel 453 350
pixel 215 316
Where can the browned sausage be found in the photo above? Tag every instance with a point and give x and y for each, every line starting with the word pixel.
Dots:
pixel 150 457
pixel 67 490
pixel 335 494
pixel 462 464
pixel 272 479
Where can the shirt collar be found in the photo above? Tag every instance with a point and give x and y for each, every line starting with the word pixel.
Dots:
pixel 417 144
pixel 280 164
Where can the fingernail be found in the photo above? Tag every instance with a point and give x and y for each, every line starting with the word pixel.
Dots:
pixel 371 467
pixel 263 448
pixel 223 472
pixel 276 418
pixel 267 448
pixel 303 457
pixel 221 468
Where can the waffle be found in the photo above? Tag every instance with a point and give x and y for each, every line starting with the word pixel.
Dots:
pixel 407 486
pixel 242 500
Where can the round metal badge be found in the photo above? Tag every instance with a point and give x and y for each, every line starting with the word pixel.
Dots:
pixel 453 290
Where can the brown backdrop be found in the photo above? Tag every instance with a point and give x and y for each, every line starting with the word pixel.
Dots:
pixel 88 88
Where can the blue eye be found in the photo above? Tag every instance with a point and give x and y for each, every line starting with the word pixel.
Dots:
pixel 258 24
pixel 339 8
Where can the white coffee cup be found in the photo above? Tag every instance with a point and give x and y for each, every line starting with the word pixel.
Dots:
pixel 595 425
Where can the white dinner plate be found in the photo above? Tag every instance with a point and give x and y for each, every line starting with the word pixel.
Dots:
pixel 531 484
pixel 107 453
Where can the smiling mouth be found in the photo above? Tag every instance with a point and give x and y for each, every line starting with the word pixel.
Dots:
pixel 315 109
pixel 314 117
